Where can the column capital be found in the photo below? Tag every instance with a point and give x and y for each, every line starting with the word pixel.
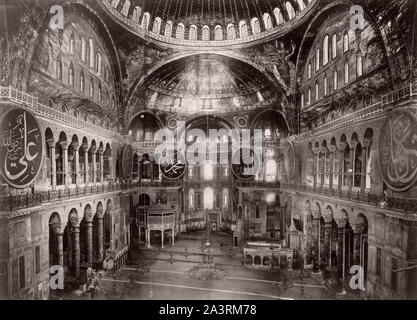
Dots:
pixel 51 143
pixel 353 144
pixel 85 147
pixel 332 149
pixel 93 150
pixel 324 149
pixel 341 223
pixel 75 146
pixel 342 146
pixel 75 229
pixel 100 151
pixel 366 142
pixel 316 150
pixel 64 145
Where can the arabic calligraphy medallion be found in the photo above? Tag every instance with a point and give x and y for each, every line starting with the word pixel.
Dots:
pixel 127 162
pixel 398 150
pixel 21 148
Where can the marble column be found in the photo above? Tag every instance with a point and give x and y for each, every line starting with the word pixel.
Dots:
pixel 65 165
pixel 100 240
pixel 327 236
pixel 173 237
pixel 101 161
pixel 316 154
pixel 315 251
pixel 76 148
pixel 60 246
pixel 357 232
pixel 148 238
pixel 85 150
pixel 76 251
pixel 365 159
pixel 331 173
pixel 162 239
pixel 89 242
pixel 352 165
pixel 93 152
pixel 51 144
pixel 342 148
pixel 341 247
pixel 309 237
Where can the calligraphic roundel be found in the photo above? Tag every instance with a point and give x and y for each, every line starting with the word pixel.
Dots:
pixel 174 169
pixel 245 164
pixel 127 162
pixel 398 150
pixel 289 160
pixel 21 148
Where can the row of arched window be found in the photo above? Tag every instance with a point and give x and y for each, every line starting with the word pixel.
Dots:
pixel 329 52
pixel 231 32
pixel 335 83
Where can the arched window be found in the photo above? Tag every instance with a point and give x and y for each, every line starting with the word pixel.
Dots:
pixel 334 46
pixel 136 14
pixel 193 33
pixel 71 75
pixel 325 50
pixel 256 26
pixel 346 42
pixel 317 91
pixel 335 80
pixel 99 64
pixel 126 7
pixel 59 69
pixel 139 135
pixel 231 32
pixel 346 73
pixel 91 50
pixel 301 4
pixel 290 10
pixel 359 66
pixel 83 50
pixel 145 21
pixel 148 136
pixel 180 31
pixel 267 21
pixel 325 84
pixel 243 27
pixel 302 101
pixel 168 29
pixel 208 172
pixel 115 3
pixel 278 16
pixel 260 97
pixel 271 171
pixel 268 133
pixel 309 96
pixel 208 198
pixel 218 33
pixel 91 88
pixel 82 82
pixel 225 201
pixel 191 199
pixel 206 33
pixel 309 71
pixel 317 59
pixel 100 93
pixel 72 44
pixel 157 25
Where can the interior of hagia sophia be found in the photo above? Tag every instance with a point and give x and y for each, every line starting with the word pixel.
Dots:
pixel 326 89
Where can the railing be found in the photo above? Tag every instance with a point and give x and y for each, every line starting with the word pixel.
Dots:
pixel 15 202
pixel 32 103
pixel 407 91
pixel 405 205
pixel 257 184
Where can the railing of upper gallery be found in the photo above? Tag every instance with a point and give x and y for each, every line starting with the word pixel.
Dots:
pixel 32 104
pixel 401 94
pixel 258 184
pixel 15 202
pixel 404 205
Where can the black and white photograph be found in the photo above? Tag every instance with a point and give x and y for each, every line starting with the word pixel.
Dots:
pixel 207 155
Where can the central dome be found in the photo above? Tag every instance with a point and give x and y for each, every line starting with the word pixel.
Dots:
pixel 207 82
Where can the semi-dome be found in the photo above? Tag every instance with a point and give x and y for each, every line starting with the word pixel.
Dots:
pixel 207 82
